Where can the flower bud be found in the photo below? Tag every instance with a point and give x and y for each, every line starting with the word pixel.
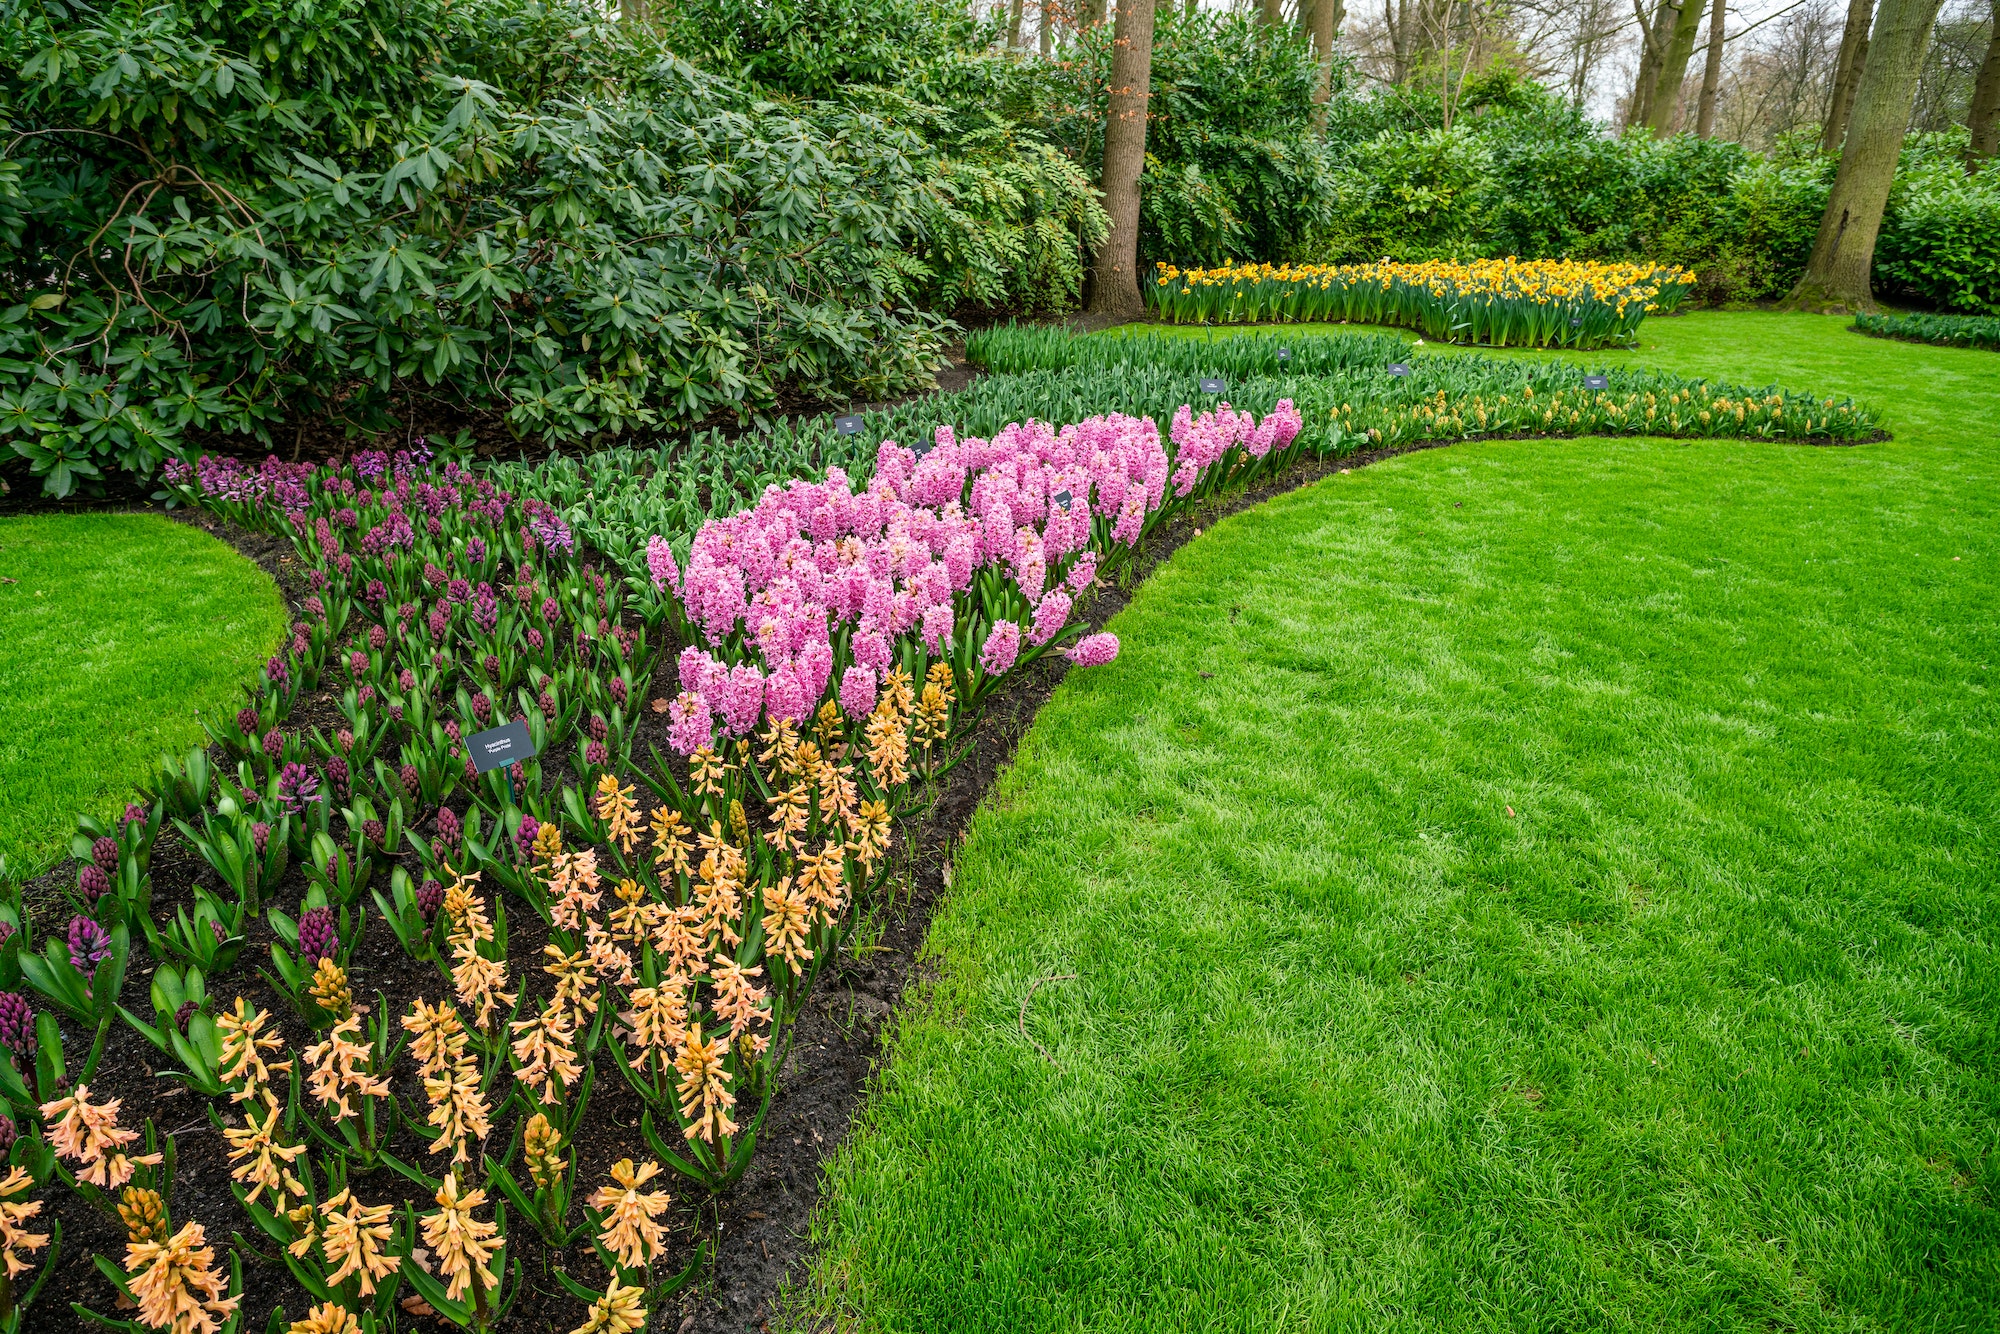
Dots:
pixel 318 938
pixel 105 853
pixel 17 1023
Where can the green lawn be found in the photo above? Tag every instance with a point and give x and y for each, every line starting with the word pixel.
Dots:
pixel 1702 1034
pixel 115 630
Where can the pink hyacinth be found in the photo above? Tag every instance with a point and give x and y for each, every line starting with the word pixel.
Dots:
pixel 660 564
pixel 692 727
pixel 1083 573
pixel 1094 650
pixel 857 691
pixel 937 627
pixel 1003 646
pixel 1051 615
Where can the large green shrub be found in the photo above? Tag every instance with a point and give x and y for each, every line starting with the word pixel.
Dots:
pixel 222 218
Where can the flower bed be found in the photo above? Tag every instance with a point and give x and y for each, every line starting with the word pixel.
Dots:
pixel 838 643
pixel 1501 302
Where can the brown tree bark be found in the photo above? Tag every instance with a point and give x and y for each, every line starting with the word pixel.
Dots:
pixel 1396 18
pixel 1837 275
pixel 1042 34
pixel 1711 74
pixel 1014 24
pixel 1653 35
pixel 1673 68
pixel 1983 118
pixel 1093 12
pixel 1847 73
pixel 1326 16
pixel 1114 279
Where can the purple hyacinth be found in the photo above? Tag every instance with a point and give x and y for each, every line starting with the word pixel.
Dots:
pixel 336 769
pixel 317 937
pixel 408 777
pixel 357 663
pixel 246 720
pixel 105 853
pixel 298 787
pixel 524 837
pixel 17 1023
pixel 134 813
pixel 260 834
pixel 618 689
pixel 378 638
pixel 430 897
pixel 93 883
pixel 372 831
pixel 88 944
pixel 448 826
pixel 8 1134
pixel 482 708
pixel 599 729
pixel 221 936
pixel 182 1015
pixel 274 743
pixel 6 932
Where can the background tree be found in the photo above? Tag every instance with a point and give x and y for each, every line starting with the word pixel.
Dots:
pixel 1847 72
pixel 1837 276
pixel 1711 75
pixel 1983 118
pixel 1114 282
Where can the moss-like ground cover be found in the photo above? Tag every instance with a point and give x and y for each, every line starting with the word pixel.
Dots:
pixel 117 630
pixel 1520 886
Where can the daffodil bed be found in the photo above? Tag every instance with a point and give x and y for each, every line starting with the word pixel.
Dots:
pixel 1519 886
pixel 506 1012
pixel 1498 302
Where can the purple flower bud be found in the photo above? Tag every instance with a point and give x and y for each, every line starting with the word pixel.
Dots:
pixel 471 772
pixel 357 663
pixel 314 607
pixel 492 665
pixel 220 934
pixel 17 1023
pixel 260 834
pixel 599 729
pixel 318 939
pixel 372 831
pixel 594 754
pixel 105 852
pixel 378 638
pixel 448 826
pixel 482 708
pixel 535 640
pixel 88 944
pixel 274 743
pixel 182 1015
pixel 618 689
pixel 451 728
pixel 246 721
pixel 6 932
pixel 298 787
pixel 548 703
pixel 344 739
pixel 94 884
pixel 8 1134
pixel 367 695
pixel 550 609
pixel 430 897
pixel 275 669
pixel 376 592
pixel 475 551
pixel 524 837
pixel 336 769
pixel 407 679
pixel 408 777
pixel 135 813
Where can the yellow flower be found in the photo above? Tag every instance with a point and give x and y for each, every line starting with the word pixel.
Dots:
pixel 14 1239
pixel 327 1318
pixel 176 1283
pixel 632 1230
pixel 462 1245
pixel 616 1312
pixel 341 1068
pixel 268 1156
pixel 243 1045
pixel 617 809
pixel 353 1241
pixel 540 1147
pixel 704 1086
pixel 91 1137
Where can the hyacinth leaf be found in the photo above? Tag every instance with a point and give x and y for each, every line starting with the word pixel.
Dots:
pixel 672 1159
pixel 415 1174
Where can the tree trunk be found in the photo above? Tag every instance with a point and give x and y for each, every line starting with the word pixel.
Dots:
pixel 1042 34
pixel 1274 13
pixel 1653 34
pixel 1984 117
pixel 1837 275
pixel 1114 281
pixel 1093 12
pixel 1847 73
pixel 1673 69
pixel 1326 17
pixel 1711 75
pixel 1014 24
pixel 1396 18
